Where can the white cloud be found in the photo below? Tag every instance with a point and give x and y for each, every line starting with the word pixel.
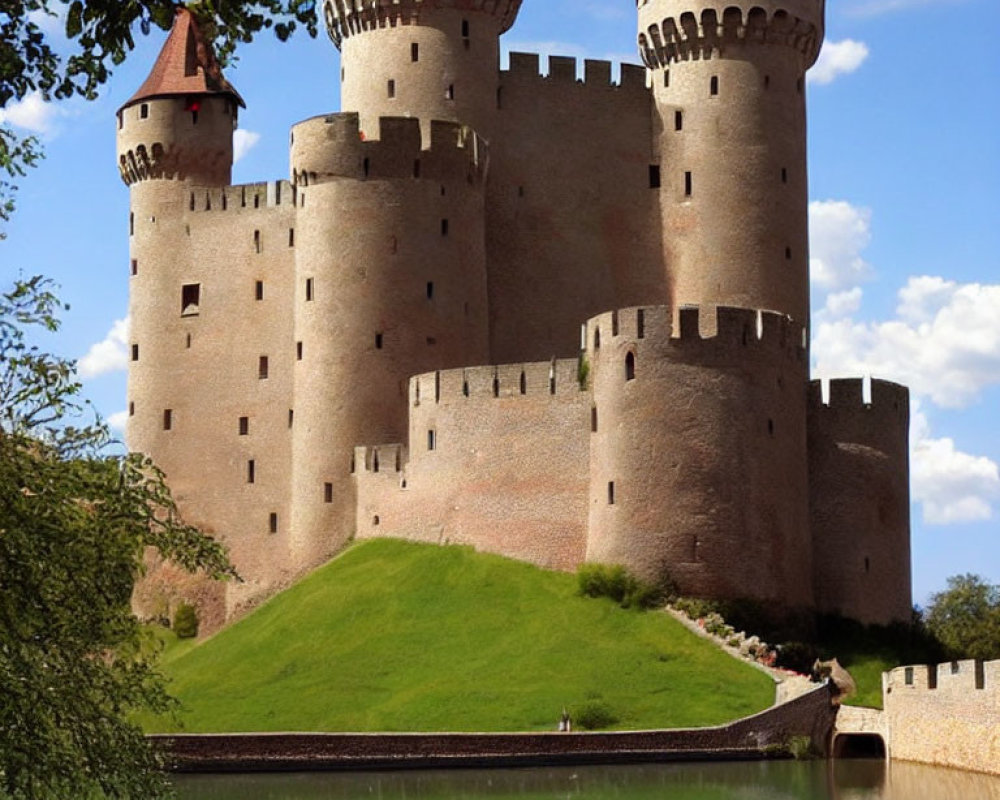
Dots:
pixel 32 113
pixel 951 486
pixel 944 343
pixel 108 355
pixel 836 59
pixel 117 420
pixel 843 304
pixel 838 233
pixel 243 143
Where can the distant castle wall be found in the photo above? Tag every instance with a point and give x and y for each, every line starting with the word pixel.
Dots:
pixel 698 470
pixel 859 499
pixel 497 460
pixel 945 714
pixel 570 214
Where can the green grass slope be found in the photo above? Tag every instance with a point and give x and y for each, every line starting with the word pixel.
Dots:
pixel 393 636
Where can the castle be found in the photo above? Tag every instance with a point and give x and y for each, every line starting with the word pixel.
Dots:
pixel 307 355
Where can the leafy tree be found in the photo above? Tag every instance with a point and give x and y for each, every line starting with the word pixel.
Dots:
pixel 75 523
pixel 966 617
pixel 100 35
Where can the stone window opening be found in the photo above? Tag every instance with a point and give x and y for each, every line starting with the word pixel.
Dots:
pixel 630 367
pixel 134 266
pixel 597 338
pixel 868 565
pixel 131 224
pixel 788 253
pixel 251 471
pixel 121 120
pixel 980 675
pixel 327 492
pixel 144 111
pixel 784 174
pixel 244 426
pixel 256 201
pixel 187 342
pixel 770 431
pixel 666 79
pixel 767 81
pixel 375 461
pixel 376 521
pixel 415 52
pixel 432 440
pixel 259 290
pixel 496 385
pixel 257 245
pixel 416 168
pixel 378 341
pixel 131 409
pixel 168 419
pixel 678 120
pixel 262 368
pixel 291 417
pixel 611 493
pixel 431 341
pixel 524 383
pixel 430 290
pixel 366 167
pixel 614 323
pixel 714 89
pixel 391 88
pixel 273 522
pixel 465 387
pixel 450 92
pixel 437 387
pixel 309 290
pixel 444 227
pixel 640 322
pixel 135 352
pixel 654 176
pixel 191 202
pixel 593 419
pixel 552 380
pixel 465 29
pixel 688 184
pixel 298 351
pixel 908 676
pixel 291 237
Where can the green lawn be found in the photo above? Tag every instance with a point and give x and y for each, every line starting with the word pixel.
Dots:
pixel 393 636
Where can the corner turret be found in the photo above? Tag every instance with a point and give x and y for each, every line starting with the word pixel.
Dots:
pixel 431 59
pixel 179 125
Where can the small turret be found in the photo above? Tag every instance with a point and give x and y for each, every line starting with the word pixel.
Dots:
pixel 179 125
pixel 431 59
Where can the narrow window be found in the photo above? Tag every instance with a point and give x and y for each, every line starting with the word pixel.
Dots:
pixel 343 72
pixel 416 168
pixel 770 430
pixel 131 224
pixel 168 419
pixel 788 253
pixel 430 290
pixel 767 81
pixel 597 338
pixel 391 88
pixel 190 299
pixel 143 111
pixel 666 79
pixel 868 565
pixel 955 668
pixel 496 385
pixel 980 675
pixel 614 323
pixel 262 367
pixel 376 521
pixel 431 341
pixel 715 85
pixel 432 440
pixel 932 676
pixel 191 202
pixel 688 184
pixel 414 52
pixel 259 290
pixel 640 322
pixel 444 227
pixel 465 388
pixel 256 239
pixel 630 367
pixel 131 409
pixel 121 120
pixel 251 471
pixel 450 92
pixel 593 419
pixel 187 342
pixel 291 417
pixel 654 176
pixel 611 493
pixel 678 120
pixel 309 289
pixel 135 352
pixel 908 676
pixel 378 341
pixel 244 426
pixel 375 462
pixel 366 166
pixel 327 492
pixel 273 523
pixel 524 383
pixel 135 267
pixel 784 175
pixel 298 351
pixel 465 29
pixel 291 237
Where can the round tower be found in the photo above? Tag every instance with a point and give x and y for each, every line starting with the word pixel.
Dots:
pixel 431 59
pixel 729 87
pixel 390 282
pixel 698 452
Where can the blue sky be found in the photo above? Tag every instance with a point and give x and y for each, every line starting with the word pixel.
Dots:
pixel 905 214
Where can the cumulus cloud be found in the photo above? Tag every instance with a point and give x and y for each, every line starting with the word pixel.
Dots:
pixel 838 234
pixel 836 59
pixel 117 420
pixel 842 304
pixel 243 142
pixel 951 486
pixel 32 113
pixel 944 342
pixel 108 355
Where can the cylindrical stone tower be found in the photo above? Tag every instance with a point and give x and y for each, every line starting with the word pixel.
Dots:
pixel 698 455
pixel 390 282
pixel 729 86
pixel 430 59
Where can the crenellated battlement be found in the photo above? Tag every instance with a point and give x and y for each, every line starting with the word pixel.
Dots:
pixel 554 378
pixel 846 394
pixel 951 677
pixel 334 147
pixel 564 70
pixel 670 32
pixel 250 196
pixel 159 162
pixel 727 328
pixel 382 459
pixel 346 18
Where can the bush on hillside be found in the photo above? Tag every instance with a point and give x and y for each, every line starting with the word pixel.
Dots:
pixel 186 621
pixel 595 715
pixel 616 582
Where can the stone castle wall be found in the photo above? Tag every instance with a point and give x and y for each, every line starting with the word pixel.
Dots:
pixel 945 714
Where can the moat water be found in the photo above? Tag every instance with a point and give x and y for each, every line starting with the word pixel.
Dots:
pixel 771 780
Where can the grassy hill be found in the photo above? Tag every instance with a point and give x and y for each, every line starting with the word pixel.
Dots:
pixel 393 636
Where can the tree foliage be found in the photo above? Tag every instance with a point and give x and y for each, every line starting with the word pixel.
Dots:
pixel 966 618
pixel 74 525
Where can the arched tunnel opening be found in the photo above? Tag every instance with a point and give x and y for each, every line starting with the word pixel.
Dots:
pixel 859 745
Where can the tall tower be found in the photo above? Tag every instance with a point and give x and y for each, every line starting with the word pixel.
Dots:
pixel 729 88
pixel 432 59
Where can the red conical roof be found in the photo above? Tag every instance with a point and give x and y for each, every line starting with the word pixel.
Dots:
pixel 186 65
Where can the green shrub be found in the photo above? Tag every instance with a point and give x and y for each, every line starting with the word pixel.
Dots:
pixel 583 372
pixel 185 621
pixel 797 656
pixel 594 715
pixel 614 581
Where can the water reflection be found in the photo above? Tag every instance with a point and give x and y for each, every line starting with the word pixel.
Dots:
pixel 815 780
